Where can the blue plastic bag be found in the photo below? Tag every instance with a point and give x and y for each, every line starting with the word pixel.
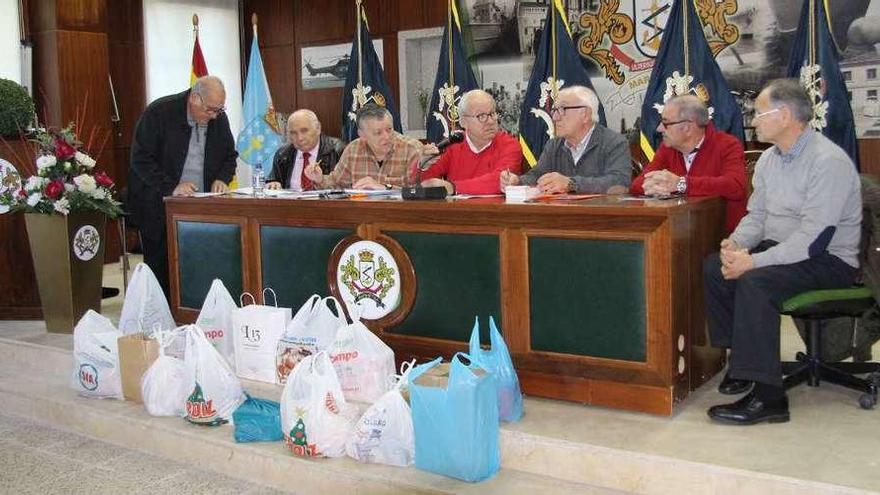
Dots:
pixel 257 420
pixel 455 420
pixel 497 361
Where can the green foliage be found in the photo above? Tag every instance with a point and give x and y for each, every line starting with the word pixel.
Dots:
pixel 16 108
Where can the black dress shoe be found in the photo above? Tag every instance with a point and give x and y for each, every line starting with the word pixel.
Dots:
pixel 732 386
pixel 751 410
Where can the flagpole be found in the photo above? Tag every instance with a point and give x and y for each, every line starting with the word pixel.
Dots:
pixel 554 89
pixel 687 56
pixel 360 48
pixel 449 53
pixel 811 34
pixel 254 23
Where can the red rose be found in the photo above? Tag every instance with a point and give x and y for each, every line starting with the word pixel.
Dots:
pixel 103 179
pixel 54 189
pixel 63 151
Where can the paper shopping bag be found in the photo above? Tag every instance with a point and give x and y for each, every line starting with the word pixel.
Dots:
pixel 136 355
pixel 258 329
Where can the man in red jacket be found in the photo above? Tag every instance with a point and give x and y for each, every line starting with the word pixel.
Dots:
pixel 695 159
pixel 474 165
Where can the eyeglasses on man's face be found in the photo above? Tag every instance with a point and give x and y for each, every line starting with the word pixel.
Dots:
pixel 483 117
pixel 764 114
pixel 560 110
pixel 670 123
pixel 211 110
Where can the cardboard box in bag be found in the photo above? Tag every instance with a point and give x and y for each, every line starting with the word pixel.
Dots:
pixel 136 355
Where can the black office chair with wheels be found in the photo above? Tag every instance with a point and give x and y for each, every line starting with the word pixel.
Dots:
pixel 817 306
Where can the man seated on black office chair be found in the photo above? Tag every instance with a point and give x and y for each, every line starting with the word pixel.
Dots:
pixel 801 233
pixel 306 144
pixel 474 166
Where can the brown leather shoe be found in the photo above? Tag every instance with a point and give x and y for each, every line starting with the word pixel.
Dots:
pixel 751 410
pixel 733 386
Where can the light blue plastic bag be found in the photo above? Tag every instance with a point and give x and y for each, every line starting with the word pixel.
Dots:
pixel 497 361
pixel 257 420
pixel 456 428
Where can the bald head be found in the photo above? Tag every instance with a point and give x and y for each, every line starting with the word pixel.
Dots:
pixel 477 116
pixel 207 99
pixel 303 130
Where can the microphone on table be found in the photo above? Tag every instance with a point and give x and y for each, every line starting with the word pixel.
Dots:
pixel 439 192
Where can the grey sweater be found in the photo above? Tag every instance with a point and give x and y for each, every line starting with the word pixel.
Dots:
pixel 809 200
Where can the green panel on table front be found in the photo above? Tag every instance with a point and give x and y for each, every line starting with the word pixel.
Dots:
pixel 458 277
pixel 295 261
pixel 588 297
pixel 207 251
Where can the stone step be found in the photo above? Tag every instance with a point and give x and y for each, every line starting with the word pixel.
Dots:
pixel 34 382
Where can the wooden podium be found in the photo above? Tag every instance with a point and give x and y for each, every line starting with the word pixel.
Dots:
pixel 600 301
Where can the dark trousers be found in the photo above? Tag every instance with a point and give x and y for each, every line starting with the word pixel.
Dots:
pixel 744 313
pixel 155 248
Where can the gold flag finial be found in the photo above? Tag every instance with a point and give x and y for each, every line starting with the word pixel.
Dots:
pixel 254 22
pixel 195 21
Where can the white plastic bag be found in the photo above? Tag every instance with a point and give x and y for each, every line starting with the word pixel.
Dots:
pixel 315 418
pixel 215 391
pixel 145 307
pixel 384 433
pixel 258 329
pixel 364 364
pixel 312 329
pixel 96 358
pixel 215 319
pixel 165 385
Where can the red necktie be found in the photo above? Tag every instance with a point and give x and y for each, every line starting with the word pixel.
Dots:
pixel 304 180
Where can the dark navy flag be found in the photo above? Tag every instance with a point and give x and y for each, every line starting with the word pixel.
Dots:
pixel 454 78
pixel 815 61
pixel 685 64
pixel 557 66
pixel 365 82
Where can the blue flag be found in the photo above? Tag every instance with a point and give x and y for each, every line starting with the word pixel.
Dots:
pixel 685 64
pixel 454 78
pixel 557 65
pixel 815 61
pixel 260 135
pixel 365 81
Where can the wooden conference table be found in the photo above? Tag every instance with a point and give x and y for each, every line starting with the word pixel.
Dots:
pixel 600 300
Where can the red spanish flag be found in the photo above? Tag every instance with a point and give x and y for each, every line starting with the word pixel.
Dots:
pixel 199 68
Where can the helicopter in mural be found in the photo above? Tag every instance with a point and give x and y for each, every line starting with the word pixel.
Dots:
pixel 337 69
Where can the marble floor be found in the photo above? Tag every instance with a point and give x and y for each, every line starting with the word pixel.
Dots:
pixel 828 440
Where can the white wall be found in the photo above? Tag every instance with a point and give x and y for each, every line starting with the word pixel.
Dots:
pixel 10 47
pixel 168 43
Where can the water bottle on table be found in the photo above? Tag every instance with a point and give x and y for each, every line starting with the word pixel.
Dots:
pixel 258 181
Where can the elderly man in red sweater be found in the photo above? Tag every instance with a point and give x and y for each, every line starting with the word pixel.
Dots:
pixel 695 159
pixel 474 165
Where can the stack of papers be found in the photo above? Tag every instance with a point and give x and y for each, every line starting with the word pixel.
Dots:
pixel 520 194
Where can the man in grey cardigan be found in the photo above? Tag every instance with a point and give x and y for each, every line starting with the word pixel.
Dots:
pixel 584 157
pixel 801 233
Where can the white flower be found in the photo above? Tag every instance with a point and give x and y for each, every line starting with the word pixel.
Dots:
pixel 45 161
pixel 85 160
pixel 85 183
pixel 67 166
pixel 99 193
pixel 68 187
pixel 34 198
pixel 34 183
pixel 62 206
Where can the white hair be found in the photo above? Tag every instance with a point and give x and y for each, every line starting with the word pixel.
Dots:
pixel 584 96
pixel 465 101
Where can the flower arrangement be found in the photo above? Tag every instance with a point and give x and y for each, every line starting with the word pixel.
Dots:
pixel 65 180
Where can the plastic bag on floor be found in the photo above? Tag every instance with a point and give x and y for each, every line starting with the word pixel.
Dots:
pixel 496 360
pixel 165 385
pixel 215 318
pixel 455 419
pixel 96 358
pixel 384 433
pixel 364 364
pixel 312 329
pixel 215 392
pixel 315 418
pixel 145 307
pixel 257 420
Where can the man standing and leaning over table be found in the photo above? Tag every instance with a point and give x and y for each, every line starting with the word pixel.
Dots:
pixel 474 166
pixel 182 145
pixel 584 157
pixel 801 233
pixel 305 145
pixel 695 159
pixel 378 159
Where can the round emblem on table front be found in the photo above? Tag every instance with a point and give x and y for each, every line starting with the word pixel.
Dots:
pixel 368 276
pixel 86 242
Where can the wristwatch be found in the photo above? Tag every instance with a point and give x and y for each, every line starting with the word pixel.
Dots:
pixel 572 185
pixel 682 185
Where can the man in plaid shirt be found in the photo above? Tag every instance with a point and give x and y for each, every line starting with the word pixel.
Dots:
pixel 378 159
